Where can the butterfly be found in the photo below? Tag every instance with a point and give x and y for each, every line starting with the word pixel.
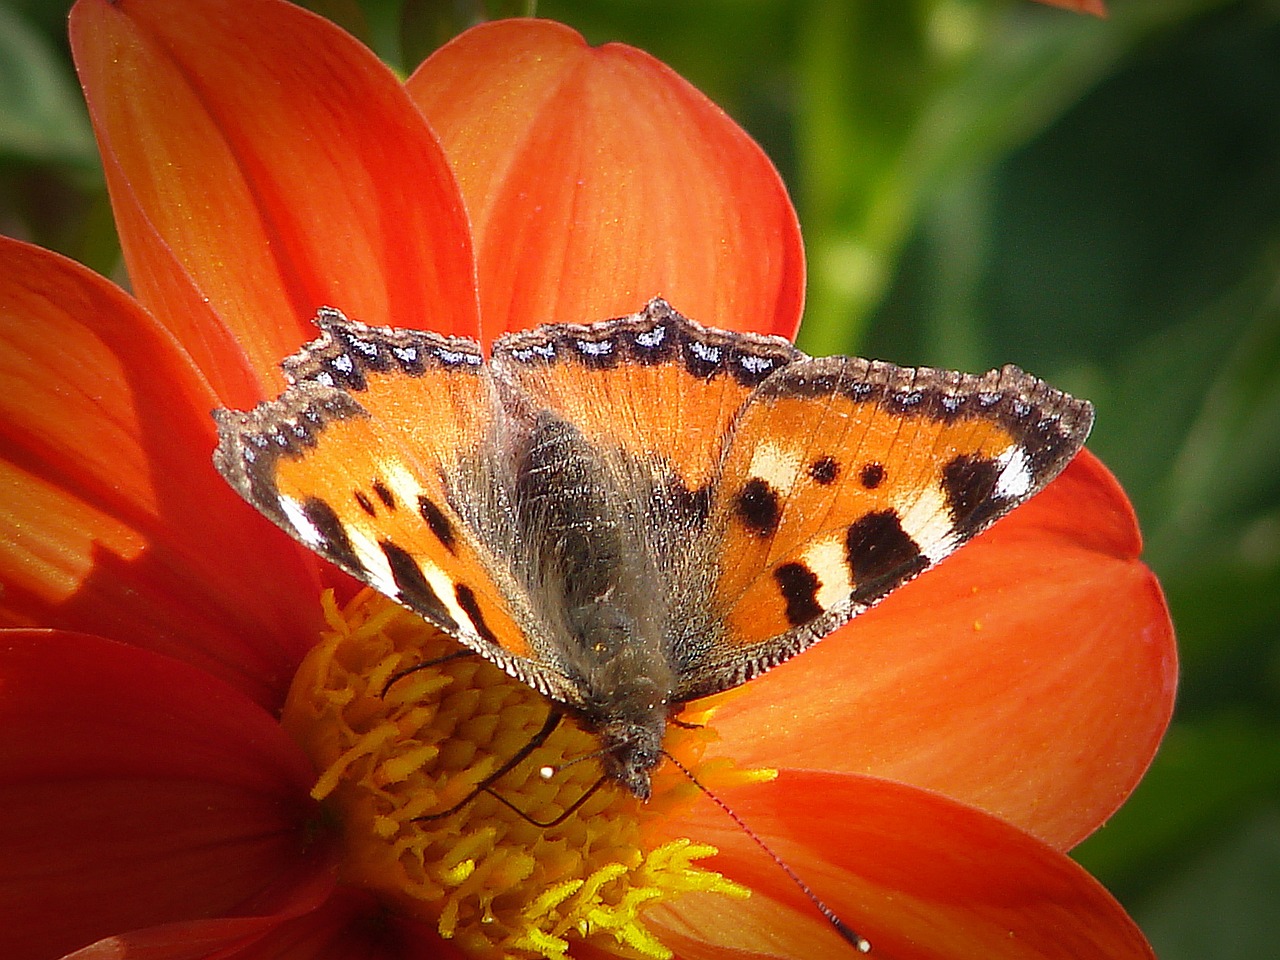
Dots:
pixel 633 514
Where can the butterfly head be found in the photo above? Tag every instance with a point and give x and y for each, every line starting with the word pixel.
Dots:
pixel 631 749
pixel 626 685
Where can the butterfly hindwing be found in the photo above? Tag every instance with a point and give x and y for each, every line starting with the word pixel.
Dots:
pixel 845 478
pixel 355 460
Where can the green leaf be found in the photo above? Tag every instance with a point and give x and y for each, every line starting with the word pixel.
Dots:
pixel 42 118
pixel 1222 904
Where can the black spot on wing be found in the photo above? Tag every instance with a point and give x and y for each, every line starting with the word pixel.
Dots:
pixel 440 525
pixel 799 587
pixel 365 503
pixel 824 470
pixel 344 371
pixel 871 475
pixel 467 601
pixel 413 587
pixel 880 553
pixel 751 364
pixel 702 360
pixel 334 542
pixel 969 483
pixel 758 507
pixel 384 494
pixel 693 506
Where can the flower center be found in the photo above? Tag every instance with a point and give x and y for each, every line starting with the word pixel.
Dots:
pixel 502 873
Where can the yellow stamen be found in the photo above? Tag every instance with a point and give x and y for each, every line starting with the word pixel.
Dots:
pixel 490 878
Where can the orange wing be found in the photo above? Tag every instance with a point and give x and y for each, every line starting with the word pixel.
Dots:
pixel 355 459
pixel 846 477
pixel 656 385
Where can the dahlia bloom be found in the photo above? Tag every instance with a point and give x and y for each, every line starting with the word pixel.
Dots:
pixel 197 757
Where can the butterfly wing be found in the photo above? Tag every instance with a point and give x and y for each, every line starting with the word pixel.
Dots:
pixel 658 386
pixel 845 478
pixel 355 460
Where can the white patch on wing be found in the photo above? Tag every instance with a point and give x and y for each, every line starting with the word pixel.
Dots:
pixel 377 569
pixel 829 562
pixel 927 520
pixel 1016 479
pixel 402 483
pixel 444 587
pixel 302 526
pixel 775 465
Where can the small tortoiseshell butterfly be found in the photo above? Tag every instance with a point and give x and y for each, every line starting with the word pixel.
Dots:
pixel 633 514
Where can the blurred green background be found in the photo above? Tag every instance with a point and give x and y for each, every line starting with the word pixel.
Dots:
pixel 979 182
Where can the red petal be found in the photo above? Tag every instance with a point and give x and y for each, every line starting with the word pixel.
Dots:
pixel 598 178
pixel 112 519
pixel 1031 674
pixel 915 873
pixel 348 926
pixel 262 159
pixel 138 790
pixel 352 926
pixel 196 939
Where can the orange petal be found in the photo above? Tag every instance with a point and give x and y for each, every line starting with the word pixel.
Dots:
pixel 112 519
pixel 1031 674
pixel 264 161
pixel 138 790
pixel 920 876
pixel 598 178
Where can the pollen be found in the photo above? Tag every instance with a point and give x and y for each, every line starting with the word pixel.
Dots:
pixel 405 728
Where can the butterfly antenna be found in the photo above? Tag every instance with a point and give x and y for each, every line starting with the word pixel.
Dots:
pixel 538 739
pixel 859 943
pixel 401 674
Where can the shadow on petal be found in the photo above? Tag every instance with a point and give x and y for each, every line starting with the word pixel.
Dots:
pixel 117 523
pixel 139 791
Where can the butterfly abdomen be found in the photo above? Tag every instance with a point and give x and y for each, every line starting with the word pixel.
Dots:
pixel 595 590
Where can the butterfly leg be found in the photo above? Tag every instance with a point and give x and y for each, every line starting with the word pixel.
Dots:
pixel 569 811
pixel 401 674
pixel 554 717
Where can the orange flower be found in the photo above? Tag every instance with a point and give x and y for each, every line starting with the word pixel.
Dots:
pixel 934 759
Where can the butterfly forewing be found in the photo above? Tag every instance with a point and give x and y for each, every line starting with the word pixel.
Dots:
pixel 845 478
pixel 355 460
